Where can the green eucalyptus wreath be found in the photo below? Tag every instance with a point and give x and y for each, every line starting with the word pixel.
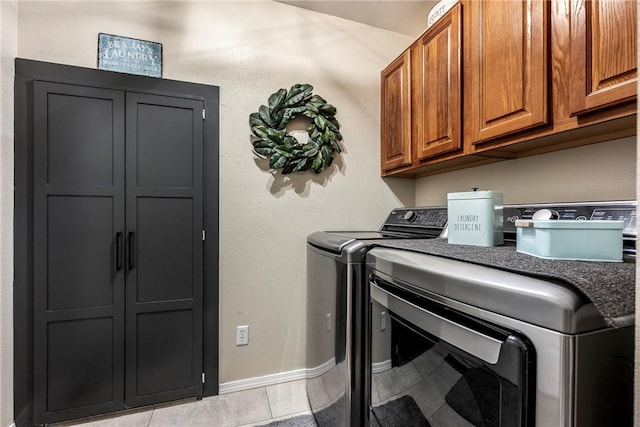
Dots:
pixel 271 137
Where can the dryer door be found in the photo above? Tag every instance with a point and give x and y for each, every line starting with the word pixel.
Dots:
pixel 433 362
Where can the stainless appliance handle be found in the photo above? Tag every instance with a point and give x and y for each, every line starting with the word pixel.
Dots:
pixel 480 345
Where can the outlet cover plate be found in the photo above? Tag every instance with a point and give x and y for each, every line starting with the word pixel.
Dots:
pixel 242 335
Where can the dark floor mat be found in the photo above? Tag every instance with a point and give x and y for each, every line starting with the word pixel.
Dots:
pixel 333 415
pixel 400 412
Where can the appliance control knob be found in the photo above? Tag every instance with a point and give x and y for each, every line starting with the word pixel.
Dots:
pixel 410 216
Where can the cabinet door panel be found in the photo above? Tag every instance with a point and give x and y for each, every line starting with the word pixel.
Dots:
pixel 164 159
pixel 78 214
pixel 80 364
pixel 80 240
pixel 166 347
pixel 506 68
pixel 395 131
pixel 164 249
pixel 604 63
pixel 80 141
pixel 165 239
pixel 438 88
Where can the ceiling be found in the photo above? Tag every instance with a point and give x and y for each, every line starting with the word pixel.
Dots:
pixel 405 17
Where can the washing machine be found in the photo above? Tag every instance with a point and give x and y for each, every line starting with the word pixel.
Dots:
pixel 337 304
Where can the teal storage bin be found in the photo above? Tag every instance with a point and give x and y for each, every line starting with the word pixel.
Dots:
pixel 571 240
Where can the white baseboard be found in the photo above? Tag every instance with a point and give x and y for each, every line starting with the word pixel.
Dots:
pixel 380 366
pixel 273 379
pixel 321 369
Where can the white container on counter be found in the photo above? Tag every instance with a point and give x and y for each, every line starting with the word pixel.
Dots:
pixel 475 218
pixel 571 240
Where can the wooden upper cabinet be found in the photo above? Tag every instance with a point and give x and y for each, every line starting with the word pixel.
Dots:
pixel 395 121
pixel 604 63
pixel 437 82
pixel 506 67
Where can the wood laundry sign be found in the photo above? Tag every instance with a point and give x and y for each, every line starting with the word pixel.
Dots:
pixel 127 55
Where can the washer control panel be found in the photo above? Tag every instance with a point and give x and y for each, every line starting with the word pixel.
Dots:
pixel 414 219
pixel 435 217
pixel 623 211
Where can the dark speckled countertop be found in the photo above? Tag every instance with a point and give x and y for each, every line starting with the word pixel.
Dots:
pixel 609 285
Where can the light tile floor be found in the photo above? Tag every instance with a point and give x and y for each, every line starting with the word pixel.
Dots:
pixel 245 408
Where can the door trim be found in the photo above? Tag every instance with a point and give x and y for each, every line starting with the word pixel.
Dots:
pixel 28 71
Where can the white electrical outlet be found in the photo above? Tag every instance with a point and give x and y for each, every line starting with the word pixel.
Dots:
pixel 328 322
pixel 383 321
pixel 242 335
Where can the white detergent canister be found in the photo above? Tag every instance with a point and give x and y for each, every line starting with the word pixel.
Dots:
pixel 475 218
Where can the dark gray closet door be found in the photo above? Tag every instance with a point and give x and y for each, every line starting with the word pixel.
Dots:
pixel 78 275
pixel 164 248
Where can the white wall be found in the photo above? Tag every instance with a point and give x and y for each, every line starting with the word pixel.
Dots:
pixel 604 171
pixel 8 49
pixel 251 49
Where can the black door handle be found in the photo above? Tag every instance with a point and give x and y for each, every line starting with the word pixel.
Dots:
pixel 130 249
pixel 119 251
